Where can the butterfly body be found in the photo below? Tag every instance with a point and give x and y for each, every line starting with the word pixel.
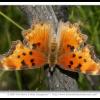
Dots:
pixel 67 49
pixel 52 58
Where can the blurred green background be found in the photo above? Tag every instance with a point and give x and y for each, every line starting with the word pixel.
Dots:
pixel 89 19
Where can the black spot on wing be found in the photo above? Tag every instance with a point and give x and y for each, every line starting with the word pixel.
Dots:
pixel 71 47
pixel 79 66
pixel 23 62
pixel 80 57
pixel 69 66
pixel 68 46
pixel 30 53
pixel 85 60
pixel 23 53
pixel 32 60
pixel 74 55
pixel 18 56
pixel 33 64
pixel 38 44
pixel 71 62
pixel 34 46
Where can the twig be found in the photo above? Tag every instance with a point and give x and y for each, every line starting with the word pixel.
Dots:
pixel 9 19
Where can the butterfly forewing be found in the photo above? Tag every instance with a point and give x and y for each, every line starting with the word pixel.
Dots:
pixel 69 37
pixel 38 37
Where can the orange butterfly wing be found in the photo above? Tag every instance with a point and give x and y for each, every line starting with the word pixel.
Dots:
pixel 31 54
pixel 38 37
pixel 21 57
pixel 78 59
pixel 69 37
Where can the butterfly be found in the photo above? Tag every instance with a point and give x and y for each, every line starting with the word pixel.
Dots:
pixel 41 45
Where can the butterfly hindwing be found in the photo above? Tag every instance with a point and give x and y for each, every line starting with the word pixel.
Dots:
pixel 80 61
pixel 22 57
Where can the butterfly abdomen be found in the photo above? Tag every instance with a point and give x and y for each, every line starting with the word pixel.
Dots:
pixel 53 53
